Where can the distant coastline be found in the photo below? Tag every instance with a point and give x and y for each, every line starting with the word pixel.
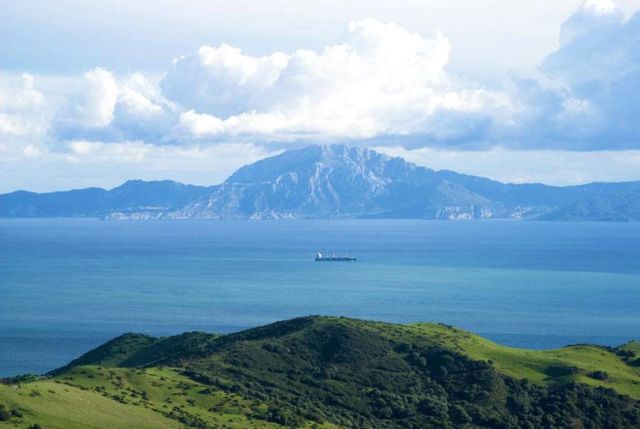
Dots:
pixel 336 182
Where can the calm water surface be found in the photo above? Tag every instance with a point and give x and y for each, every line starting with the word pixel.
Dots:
pixel 67 285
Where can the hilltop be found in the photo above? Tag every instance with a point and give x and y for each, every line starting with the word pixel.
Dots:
pixel 332 372
pixel 336 181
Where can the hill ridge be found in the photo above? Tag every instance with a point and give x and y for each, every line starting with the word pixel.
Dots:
pixel 197 345
pixel 336 372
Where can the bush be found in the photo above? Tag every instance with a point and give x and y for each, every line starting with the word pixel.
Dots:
pixel 625 353
pixel 560 370
pixel 4 414
pixel 598 375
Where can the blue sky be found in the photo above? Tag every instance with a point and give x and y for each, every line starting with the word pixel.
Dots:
pixel 94 93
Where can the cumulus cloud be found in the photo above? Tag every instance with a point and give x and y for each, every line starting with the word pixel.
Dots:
pixel 598 65
pixel 24 117
pixel 221 81
pixel 596 44
pixel 20 103
pixel 591 15
pixel 104 107
pixel 388 84
pixel 383 80
pixel 383 85
pixel 142 111
pixel 93 105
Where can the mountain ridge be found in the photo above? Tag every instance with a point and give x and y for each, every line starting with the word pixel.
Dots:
pixel 336 181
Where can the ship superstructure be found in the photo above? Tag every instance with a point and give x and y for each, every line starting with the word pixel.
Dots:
pixel 334 258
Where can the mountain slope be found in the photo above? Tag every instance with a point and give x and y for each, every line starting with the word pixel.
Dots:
pixel 340 181
pixel 134 196
pixel 336 181
pixel 618 206
pixel 81 202
pixel 341 372
pixel 122 398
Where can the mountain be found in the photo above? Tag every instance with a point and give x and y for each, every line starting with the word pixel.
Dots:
pixel 327 372
pixel 336 181
pixel 616 206
pixel 340 181
pixel 134 196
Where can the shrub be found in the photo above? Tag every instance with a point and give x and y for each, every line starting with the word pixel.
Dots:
pixel 598 375
pixel 560 370
pixel 4 414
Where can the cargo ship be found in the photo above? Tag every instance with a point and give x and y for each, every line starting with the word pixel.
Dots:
pixel 333 258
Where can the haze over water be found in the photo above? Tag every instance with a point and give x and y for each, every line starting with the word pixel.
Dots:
pixel 68 285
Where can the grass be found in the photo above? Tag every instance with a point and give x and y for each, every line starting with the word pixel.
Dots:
pixel 59 406
pixel 153 398
pixel 632 346
pixel 543 366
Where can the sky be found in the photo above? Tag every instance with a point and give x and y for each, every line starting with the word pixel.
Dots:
pixel 96 93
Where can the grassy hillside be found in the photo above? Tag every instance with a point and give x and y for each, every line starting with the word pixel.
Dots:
pixel 55 405
pixel 331 372
pixel 580 363
pixel 99 397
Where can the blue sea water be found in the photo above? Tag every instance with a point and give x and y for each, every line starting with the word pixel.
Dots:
pixel 67 285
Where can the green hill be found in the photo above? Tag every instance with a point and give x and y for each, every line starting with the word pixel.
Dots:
pixel 331 372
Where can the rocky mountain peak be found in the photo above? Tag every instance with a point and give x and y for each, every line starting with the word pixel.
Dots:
pixel 308 160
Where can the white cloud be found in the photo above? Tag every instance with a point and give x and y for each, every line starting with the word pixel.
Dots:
pixel 222 80
pixel 598 65
pixel 10 125
pixel 24 118
pixel 599 7
pixel 20 106
pixel 383 80
pixel 387 84
pixel 592 45
pixel 139 98
pixel 142 111
pixel 383 85
pixel 21 97
pixel 105 107
pixel 93 105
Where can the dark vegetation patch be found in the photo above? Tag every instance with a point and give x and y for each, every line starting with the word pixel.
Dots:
pixel 598 375
pixel 8 413
pixel 19 379
pixel 113 353
pixel 629 353
pixel 173 350
pixel 560 370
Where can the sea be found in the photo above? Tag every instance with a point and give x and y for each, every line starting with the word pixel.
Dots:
pixel 68 285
